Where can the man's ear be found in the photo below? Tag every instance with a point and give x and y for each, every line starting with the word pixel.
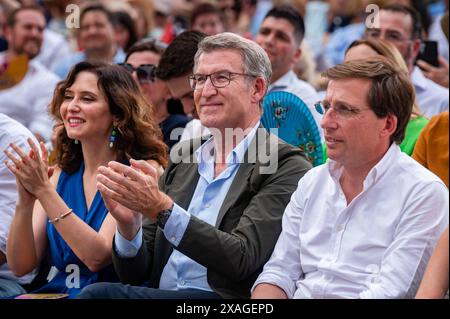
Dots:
pixel 416 48
pixel 390 125
pixel 259 90
pixel 297 55
pixel 7 32
pixel 167 95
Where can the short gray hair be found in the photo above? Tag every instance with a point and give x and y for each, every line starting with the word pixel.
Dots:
pixel 256 61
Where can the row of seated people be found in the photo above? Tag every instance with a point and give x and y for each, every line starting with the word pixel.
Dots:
pixel 222 218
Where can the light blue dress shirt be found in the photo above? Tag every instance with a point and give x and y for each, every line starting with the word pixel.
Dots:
pixel 181 272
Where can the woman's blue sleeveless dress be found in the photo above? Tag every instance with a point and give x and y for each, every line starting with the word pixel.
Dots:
pixel 73 274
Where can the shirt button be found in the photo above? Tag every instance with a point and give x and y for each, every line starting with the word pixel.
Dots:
pixel 172 238
pixel 326 277
pixel 182 282
pixel 207 205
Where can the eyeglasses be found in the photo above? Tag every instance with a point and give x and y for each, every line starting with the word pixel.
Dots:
pixel 340 110
pixel 219 79
pixel 145 72
pixel 390 36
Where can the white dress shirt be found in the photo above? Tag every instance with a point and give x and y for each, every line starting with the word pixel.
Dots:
pixel 305 91
pixel 27 102
pixel 376 247
pixel 431 97
pixel 10 132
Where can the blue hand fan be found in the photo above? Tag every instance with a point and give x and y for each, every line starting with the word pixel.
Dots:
pixel 295 123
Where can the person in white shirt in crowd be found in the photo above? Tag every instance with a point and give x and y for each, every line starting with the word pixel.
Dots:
pixel 280 35
pixel 175 67
pixel 54 49
pixel 96 37
pixel 27 100
pixel 11 131
pixel 401 26
pixel 364 224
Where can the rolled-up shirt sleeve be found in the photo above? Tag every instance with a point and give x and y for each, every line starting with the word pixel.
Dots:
pixel 284 268
pixel 405 260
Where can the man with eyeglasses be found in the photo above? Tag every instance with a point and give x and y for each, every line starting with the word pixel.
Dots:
pixel 401 26
pixel 141 61
pixel 214 219
pixel 364 224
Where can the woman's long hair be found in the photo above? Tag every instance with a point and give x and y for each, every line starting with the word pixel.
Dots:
pixel 138 136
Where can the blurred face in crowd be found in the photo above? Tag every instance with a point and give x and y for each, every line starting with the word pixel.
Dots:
pixel 276 37
pixel 352 131
pixel 156 92
pixel 396 28
pixel 27 34
pixel 236 103
pixel 359 52
pixel 209 23
pixel 85 111
pixel 97 32
pixel 181 90
pixel 122 36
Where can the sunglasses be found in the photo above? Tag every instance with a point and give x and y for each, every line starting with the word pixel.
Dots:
pixel 145 72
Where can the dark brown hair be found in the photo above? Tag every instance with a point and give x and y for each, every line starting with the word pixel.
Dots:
pixel 138 136
pixel 178 59
pixel 147 44
pixel 391 91
pixel 11 18
pixel 203 9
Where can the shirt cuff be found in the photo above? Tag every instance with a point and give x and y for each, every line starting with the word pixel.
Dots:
pixel 176 225
pixel 126 248
pixel 277 279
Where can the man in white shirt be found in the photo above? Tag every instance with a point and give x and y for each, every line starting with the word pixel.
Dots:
pixel 401 26
pixel 364 224
pixel 27 101
pixel 54 49
pixel 11 131
pixel 281 35
pixel 96 37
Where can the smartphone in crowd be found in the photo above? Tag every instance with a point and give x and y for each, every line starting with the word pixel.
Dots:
pixel 429 52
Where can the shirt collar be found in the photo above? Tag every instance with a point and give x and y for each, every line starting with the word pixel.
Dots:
pixel 119 57
pixel 284 82
pixel 205 153
pixel 418 79
pixel 335 169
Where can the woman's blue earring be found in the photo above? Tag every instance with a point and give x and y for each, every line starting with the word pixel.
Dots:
pixel 112 137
